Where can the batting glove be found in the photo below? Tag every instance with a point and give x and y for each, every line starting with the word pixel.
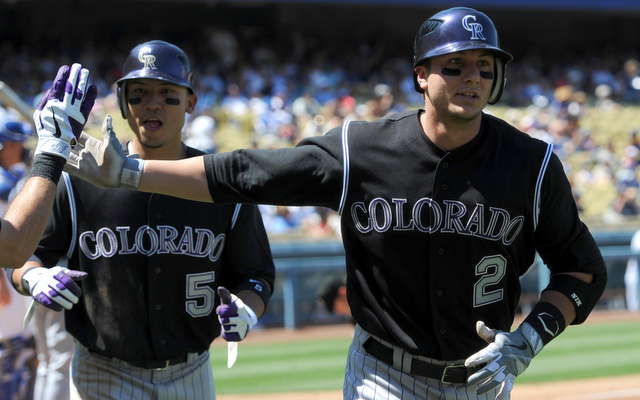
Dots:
pixel 507 356
pixel 235 317
pixel 104 163
pixel 63 110
pixel 54 287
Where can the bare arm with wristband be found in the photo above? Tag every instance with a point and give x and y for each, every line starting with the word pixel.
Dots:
pixel 59 118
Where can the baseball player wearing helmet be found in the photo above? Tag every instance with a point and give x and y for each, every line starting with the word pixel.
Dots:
pixel 154 264
pixel 443 209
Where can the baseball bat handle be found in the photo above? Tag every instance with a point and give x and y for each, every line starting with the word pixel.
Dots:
pixel 10 98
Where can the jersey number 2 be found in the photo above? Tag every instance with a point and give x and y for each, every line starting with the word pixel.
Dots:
pixel 491 270
pixel 201 296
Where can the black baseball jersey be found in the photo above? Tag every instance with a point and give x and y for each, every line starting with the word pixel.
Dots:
pixel 154 265
pixel 435 240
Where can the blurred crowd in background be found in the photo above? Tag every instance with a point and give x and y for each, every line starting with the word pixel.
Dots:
pixel 263 95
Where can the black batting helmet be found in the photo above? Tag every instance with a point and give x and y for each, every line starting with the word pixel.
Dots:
pixel 458 29
pixel 155 59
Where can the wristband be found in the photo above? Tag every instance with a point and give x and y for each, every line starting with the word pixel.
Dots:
pixel 258 287
pixel 48 166
pixel 547 320
pixel 131 173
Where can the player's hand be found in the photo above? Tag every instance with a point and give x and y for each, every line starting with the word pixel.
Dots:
pixel 63 110
pixel 235 317
pixel 506 356
pixel 102 162
pixel 54 287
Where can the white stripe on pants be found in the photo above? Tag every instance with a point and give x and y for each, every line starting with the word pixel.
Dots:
pixel 367 378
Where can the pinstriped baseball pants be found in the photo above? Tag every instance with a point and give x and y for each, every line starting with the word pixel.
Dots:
pixel 367 378
pixel 94 377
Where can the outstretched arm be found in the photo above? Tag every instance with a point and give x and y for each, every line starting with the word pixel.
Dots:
pixel 104 163
pixel 184 178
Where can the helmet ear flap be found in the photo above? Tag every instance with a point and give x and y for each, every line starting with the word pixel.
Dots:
pixel 498 82
pixel 122 102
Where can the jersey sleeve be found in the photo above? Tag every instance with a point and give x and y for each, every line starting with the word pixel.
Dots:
pixel 562 239
pixel 248 260
pixel 309 174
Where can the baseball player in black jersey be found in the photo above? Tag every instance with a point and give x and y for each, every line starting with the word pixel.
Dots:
pixel 443 209
pixel 149 308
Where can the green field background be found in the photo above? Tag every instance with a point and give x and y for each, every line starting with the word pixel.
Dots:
pixel 587 351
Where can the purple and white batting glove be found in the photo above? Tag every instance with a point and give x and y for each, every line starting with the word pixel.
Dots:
pixel 54 287
pixel 507 356
pixel 63 110
pixel 235 317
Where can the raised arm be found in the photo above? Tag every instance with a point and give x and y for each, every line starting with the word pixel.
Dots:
pixel 25 220
pixel 59 118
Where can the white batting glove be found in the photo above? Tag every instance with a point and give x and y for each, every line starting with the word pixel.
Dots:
pixel 63 110
pixel 235 317
pixel 507 356
pixel 54 287
pixel 104 163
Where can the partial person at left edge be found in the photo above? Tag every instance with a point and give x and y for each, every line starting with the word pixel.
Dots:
pixel 18 360
pixel 26 218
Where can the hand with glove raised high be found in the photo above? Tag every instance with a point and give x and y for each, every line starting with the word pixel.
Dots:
pixel 54 287
pixel 506 356
pixel 63 110
pixel 104 163
pixel 235 317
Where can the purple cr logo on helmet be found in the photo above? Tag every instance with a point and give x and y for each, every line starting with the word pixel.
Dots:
pixel 459 29
pixel 155 59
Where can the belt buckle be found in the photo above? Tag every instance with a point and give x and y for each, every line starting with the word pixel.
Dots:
pixel 444 374
pixel 166 365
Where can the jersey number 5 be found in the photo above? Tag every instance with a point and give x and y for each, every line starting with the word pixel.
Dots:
pixel 200 295
pixel 491 270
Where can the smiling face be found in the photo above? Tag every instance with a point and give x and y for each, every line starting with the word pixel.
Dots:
pixel 157 111
pixel 457 85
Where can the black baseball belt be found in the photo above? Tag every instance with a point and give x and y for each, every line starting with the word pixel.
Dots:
pixel 152 364
pixel 455 374
pixel 149 364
